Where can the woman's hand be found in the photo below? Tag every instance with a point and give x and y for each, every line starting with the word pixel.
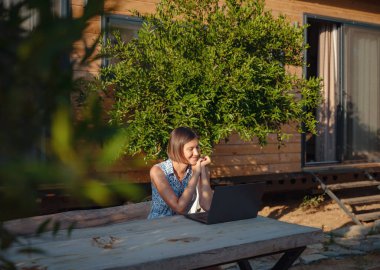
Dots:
pixel 204 188
pixel 197 167
pixel 205 161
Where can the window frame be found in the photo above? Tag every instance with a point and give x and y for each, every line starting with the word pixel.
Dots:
pixel 107 19
pixel 64 8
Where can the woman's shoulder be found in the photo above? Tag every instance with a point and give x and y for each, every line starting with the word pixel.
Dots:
pixel 162 167
pixel 159 173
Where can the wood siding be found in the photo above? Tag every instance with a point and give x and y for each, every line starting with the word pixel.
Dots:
pixel 233 157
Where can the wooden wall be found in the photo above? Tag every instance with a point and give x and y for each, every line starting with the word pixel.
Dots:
pixel 234 157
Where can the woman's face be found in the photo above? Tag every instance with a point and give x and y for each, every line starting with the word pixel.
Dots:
pixel 191 152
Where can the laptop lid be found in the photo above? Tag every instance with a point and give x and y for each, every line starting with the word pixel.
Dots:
pixel 236 202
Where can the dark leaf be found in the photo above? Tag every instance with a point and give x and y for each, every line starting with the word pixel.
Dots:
pixel 56 227
pixel 43 226
pixel 71 228
pixel 31 250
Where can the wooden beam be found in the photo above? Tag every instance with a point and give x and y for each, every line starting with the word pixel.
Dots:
pixel 357 184
pixel 361 200
pixel 369 216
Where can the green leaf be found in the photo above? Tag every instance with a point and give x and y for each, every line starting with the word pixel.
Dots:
pixel 113 148
pixel 71 228
pixel 62 135
pixel 98 192
pixel 56 228
pixel 31 250
pixel 7 238
pixel 42 227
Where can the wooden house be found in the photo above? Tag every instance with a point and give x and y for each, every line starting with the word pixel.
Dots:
pixel 344 39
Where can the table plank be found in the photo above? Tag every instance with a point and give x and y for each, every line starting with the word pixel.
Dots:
pixel 167 243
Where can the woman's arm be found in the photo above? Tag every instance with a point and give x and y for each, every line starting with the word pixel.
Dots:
pixel 205 191
pixel 179 205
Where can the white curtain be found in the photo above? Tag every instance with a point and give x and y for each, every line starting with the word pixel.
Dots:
pixel 362 75
pixel 327 113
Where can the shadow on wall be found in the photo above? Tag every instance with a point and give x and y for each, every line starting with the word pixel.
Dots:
pixel 363 139
pixel 357 138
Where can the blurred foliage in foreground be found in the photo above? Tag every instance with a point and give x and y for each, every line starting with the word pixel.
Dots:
pixel 41 142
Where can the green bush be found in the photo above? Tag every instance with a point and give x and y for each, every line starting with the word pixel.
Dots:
pixel 216 68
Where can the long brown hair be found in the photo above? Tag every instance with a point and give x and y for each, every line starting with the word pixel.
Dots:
pixel 178 138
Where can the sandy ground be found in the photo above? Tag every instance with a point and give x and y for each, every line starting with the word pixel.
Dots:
pixel 322 212
pixel 327 215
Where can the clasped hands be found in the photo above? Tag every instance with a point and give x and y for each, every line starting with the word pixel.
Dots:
pixel 201 164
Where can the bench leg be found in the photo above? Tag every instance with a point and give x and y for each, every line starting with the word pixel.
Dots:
pixel 288 258
pixel 244 265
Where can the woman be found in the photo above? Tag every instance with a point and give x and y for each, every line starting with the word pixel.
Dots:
pixel 175 182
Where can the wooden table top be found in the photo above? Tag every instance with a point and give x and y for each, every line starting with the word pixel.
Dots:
pixel 165 243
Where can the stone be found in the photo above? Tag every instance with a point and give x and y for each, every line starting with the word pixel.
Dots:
pixel 336 248
pixel 266 262
pixel 376 226
pixel 354 231
pixel 312 249
pixel 336 251
pixel 374 236
pixel 230 266
pixel 366 247
pixel 338 232
pixel 357 231
pixel 318 246
pixel 348 243
pixel 376 245
pixel 312 258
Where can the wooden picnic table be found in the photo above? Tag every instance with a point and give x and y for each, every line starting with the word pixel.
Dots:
pixel 169 243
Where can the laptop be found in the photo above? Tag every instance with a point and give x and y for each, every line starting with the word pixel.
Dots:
pixel 231 203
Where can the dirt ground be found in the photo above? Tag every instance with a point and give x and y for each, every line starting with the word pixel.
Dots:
pixel 325 215
pixel 322 212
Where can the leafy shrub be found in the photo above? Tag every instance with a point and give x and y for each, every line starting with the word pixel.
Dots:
pixel 218 68
pixel 312 202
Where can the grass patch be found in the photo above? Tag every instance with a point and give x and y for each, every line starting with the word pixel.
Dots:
pixel 312 202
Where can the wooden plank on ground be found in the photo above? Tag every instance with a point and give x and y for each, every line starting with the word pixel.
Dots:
pixel 369 216
pixel 357 184
pixel 361 200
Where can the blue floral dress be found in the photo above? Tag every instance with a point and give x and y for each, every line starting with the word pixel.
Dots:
pixel 159 206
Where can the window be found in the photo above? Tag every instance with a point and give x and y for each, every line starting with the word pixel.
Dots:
pixel 362 89
pixel 60 7
pixel 347 56
pixel 127 27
